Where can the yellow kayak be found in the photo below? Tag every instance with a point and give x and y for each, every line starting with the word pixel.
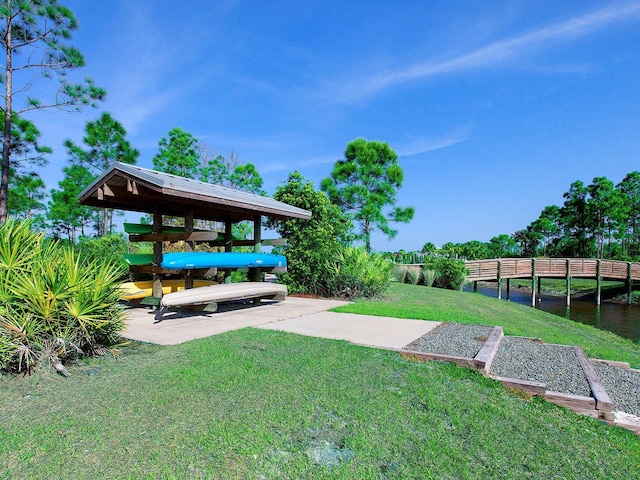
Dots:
pixel 144 288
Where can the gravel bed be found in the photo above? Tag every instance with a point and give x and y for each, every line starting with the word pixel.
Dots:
pixel 453 339
pixel 622 385
pixel 554 365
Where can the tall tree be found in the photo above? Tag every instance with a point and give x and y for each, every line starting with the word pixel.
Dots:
pixel 474 250
pixel 365 183
pixel 106 142
pixel 26 195
pixel 229 171
pixel 309 242
pixel 67 216
pixel 575 221
pixel 605 211
pixel 26 190
pixel 630 232
pixel 178 154
pixel 547 226
pixel 34 36
pixel 503 245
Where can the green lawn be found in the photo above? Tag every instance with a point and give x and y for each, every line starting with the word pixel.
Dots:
pixel 263 404
pixel 411 301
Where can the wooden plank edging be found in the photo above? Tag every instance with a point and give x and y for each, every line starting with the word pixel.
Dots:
pixel 533 388
pixel 575 403
pixel 422 356
pixel 487 353
pixel 603 402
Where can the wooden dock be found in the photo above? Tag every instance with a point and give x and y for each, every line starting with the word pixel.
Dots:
pixel 504 269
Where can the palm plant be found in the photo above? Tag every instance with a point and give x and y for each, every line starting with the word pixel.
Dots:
pixel 353 272
pixel 53 306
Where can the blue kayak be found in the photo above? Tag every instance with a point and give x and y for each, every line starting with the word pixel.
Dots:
pixel 174 261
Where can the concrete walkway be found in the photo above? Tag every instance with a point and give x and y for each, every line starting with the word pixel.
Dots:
pixel 296 315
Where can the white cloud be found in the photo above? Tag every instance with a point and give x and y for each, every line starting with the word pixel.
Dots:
pixel 491 55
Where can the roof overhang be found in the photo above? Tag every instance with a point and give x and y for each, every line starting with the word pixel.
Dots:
pixel 137 189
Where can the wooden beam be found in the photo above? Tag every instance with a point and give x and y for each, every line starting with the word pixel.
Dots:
pixel 132 187
pixel 603 402
pixel 485 356
pixel 274 242
pixel 107 190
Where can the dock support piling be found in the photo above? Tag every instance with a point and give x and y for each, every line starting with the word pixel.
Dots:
pixel 568 282
pixel 598 283
pixel 508 289
pixel 533 282
pixel 629 283
pixel 499 280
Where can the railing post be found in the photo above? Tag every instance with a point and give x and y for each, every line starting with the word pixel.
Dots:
pixel 598 282
pixel 499 279
pixel 569 281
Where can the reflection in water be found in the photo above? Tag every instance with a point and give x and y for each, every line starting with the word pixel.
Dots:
pixel 621 319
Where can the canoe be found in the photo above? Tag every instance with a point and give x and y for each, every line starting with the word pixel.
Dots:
pixel 138 258
pixel 144 288
pixel 143 229
pixel 176 261
pixel 215 294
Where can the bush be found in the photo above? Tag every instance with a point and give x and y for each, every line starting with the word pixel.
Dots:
pixel 449 272
pixel 399 272
pixel 53 306
pixel 428 276
pixel 110 247
pixel 309 242
pixel 353 273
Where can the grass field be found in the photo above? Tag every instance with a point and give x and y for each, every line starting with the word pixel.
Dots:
pixel 261 404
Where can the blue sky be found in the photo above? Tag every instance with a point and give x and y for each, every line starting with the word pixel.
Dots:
pixel 494 107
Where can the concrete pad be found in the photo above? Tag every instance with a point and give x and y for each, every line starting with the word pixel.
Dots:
pixel 178 327
pixel 367 330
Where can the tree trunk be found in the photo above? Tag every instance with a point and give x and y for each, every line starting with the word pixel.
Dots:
pixel 367 235
pixel 6 139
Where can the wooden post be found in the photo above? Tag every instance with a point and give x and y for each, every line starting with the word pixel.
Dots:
pixel 475 286
pixel 188 228
pixel 499 279
pixel 568 282
pixel 255 274
pixel 257 234
pixel 157 253
pixel 508 289
pixel 228 246
pixel 598 282
pixel 189 246
pixel 533 282
pixel 629 283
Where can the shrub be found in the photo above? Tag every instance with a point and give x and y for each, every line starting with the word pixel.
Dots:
pixel 110 247
pixel 353 273
pixel 52 305
pixel 413 275
pixel 428 275
pixel 399 272
pixel 309 242
pixel 450 273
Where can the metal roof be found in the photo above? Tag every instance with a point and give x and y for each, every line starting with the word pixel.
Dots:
pixel 133 188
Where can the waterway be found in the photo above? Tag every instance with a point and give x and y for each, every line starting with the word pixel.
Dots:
pixel 619 318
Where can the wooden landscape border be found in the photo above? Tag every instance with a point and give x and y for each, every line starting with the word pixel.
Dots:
pixel 598 406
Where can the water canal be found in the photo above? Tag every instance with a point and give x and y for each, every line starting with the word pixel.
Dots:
pixel 619 318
